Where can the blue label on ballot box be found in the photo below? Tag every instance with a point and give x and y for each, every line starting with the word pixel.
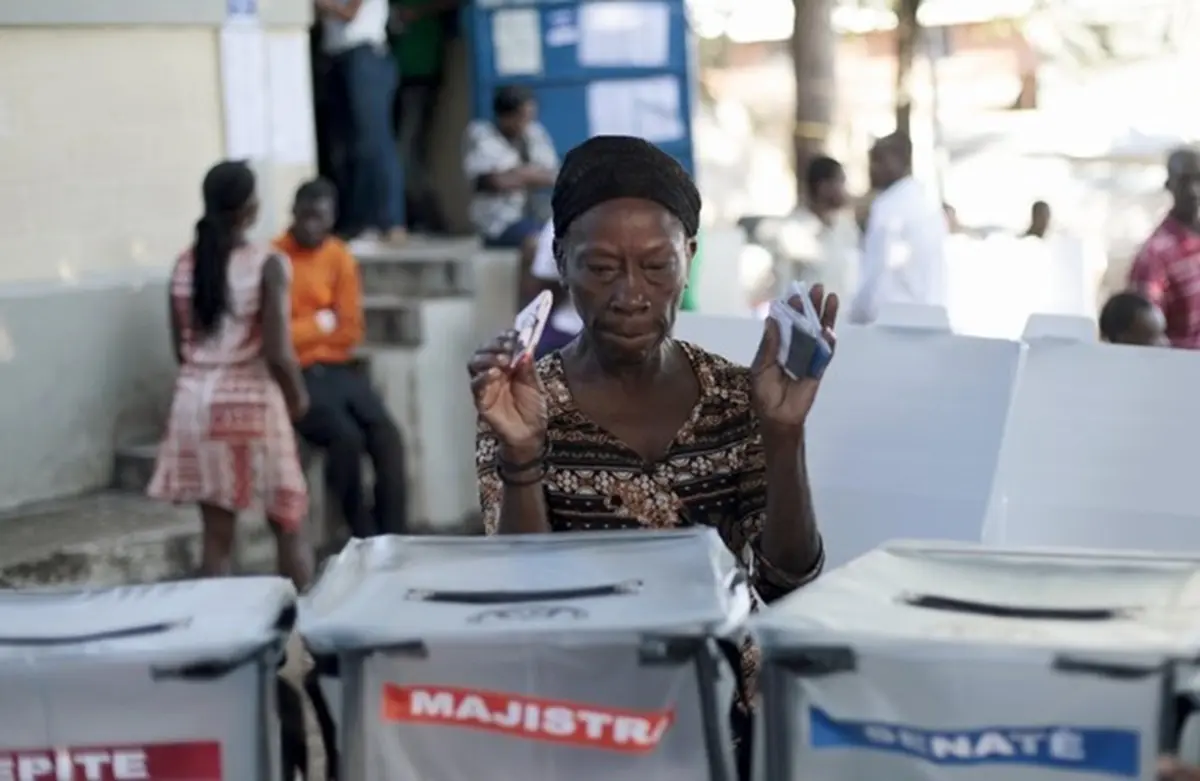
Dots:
pixel 1112 752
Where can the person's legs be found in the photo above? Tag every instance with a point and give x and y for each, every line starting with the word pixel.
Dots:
pixel 293 557
pixel 329 426
pixel 416 103
pixel 325 721
pixel 412 121
pixel 220 526
pixel 294 743
pixel 341 132
pixel 386 449
pixel 371 86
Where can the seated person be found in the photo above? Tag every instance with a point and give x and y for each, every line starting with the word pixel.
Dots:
pixel 346 418
pixel 627 428
pixel 1130 318
pixel 505 161
pixel 564 322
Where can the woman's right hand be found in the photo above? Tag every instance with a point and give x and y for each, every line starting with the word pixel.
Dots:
pixel 509 395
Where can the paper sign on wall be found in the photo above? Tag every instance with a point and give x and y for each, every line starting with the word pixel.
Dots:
pixel 241 9
pixel 624 34
pixel 650 108
pixel 244 91
pixel 289 80
pixel 517 42
pixel 562 28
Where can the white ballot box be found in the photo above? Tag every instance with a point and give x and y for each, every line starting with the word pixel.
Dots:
pixel 574 656
pixel 166 682
pixel 940 662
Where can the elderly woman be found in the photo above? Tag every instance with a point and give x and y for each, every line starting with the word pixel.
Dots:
pixel 626 427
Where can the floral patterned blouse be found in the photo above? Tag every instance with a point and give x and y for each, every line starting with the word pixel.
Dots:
pixel 713 474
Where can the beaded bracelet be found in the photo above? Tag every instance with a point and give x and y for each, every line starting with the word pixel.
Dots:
pixel 507 477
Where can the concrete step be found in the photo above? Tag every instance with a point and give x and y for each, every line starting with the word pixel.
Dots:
pixel 109 538
pixel 424 268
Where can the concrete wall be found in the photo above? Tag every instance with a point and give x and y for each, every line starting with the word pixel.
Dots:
pixel 110 113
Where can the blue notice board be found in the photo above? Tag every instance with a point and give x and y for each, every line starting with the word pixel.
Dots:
pixel 596 66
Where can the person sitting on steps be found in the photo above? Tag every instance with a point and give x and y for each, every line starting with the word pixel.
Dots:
pixel 507 161
pixel 346 417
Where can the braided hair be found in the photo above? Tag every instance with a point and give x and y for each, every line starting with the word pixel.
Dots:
pixel 228 188
pixel 605 168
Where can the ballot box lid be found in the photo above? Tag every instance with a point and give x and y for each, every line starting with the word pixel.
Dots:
pixel 930 592
pixel 388 591
pixel 209 622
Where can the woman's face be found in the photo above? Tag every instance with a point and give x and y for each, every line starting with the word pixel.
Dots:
pixel 626 263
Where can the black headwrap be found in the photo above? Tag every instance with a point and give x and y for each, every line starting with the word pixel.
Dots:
pixel 605 168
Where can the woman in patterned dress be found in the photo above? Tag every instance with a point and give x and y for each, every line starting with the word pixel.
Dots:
pixel 626 427
pixel 229 442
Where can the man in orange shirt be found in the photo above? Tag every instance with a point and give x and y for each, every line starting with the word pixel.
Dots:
pixel 346 417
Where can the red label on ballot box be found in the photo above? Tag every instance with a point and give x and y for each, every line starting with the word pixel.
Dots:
pixel 530 718
pixel 195 761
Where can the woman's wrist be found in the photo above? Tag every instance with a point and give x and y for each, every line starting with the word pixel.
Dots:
pixel 523 455
pixel 522 464
pixel 786 439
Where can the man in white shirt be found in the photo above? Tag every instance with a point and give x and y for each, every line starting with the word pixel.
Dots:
pixel 565 323
pixel 903 256
pixel 506 160
pixel 822 237
pixel 363 86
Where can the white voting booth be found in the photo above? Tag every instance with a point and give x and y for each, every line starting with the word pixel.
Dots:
pixel 905 436
pixel 171 681
pixel 1100 449
pixel 995 284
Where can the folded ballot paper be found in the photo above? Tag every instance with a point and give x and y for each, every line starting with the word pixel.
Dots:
pixel 803 351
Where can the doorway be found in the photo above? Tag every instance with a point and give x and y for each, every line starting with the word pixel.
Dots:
pixel 447 112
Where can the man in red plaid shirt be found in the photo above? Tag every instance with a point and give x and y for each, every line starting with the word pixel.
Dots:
pixel 1167 269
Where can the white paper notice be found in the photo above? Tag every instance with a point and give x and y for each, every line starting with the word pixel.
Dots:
pixel 624 34
pixel 562 28
pixel 650 108
pixel 517 42
pixel 289 79
pixel 241 9
pixel 244 91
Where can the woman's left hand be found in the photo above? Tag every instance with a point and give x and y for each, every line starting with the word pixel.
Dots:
pixel 783 403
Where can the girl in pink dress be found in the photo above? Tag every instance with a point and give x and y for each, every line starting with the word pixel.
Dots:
pixel 229 442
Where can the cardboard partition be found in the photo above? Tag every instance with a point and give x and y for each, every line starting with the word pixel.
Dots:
pixel 1100 450
pixel 905 435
